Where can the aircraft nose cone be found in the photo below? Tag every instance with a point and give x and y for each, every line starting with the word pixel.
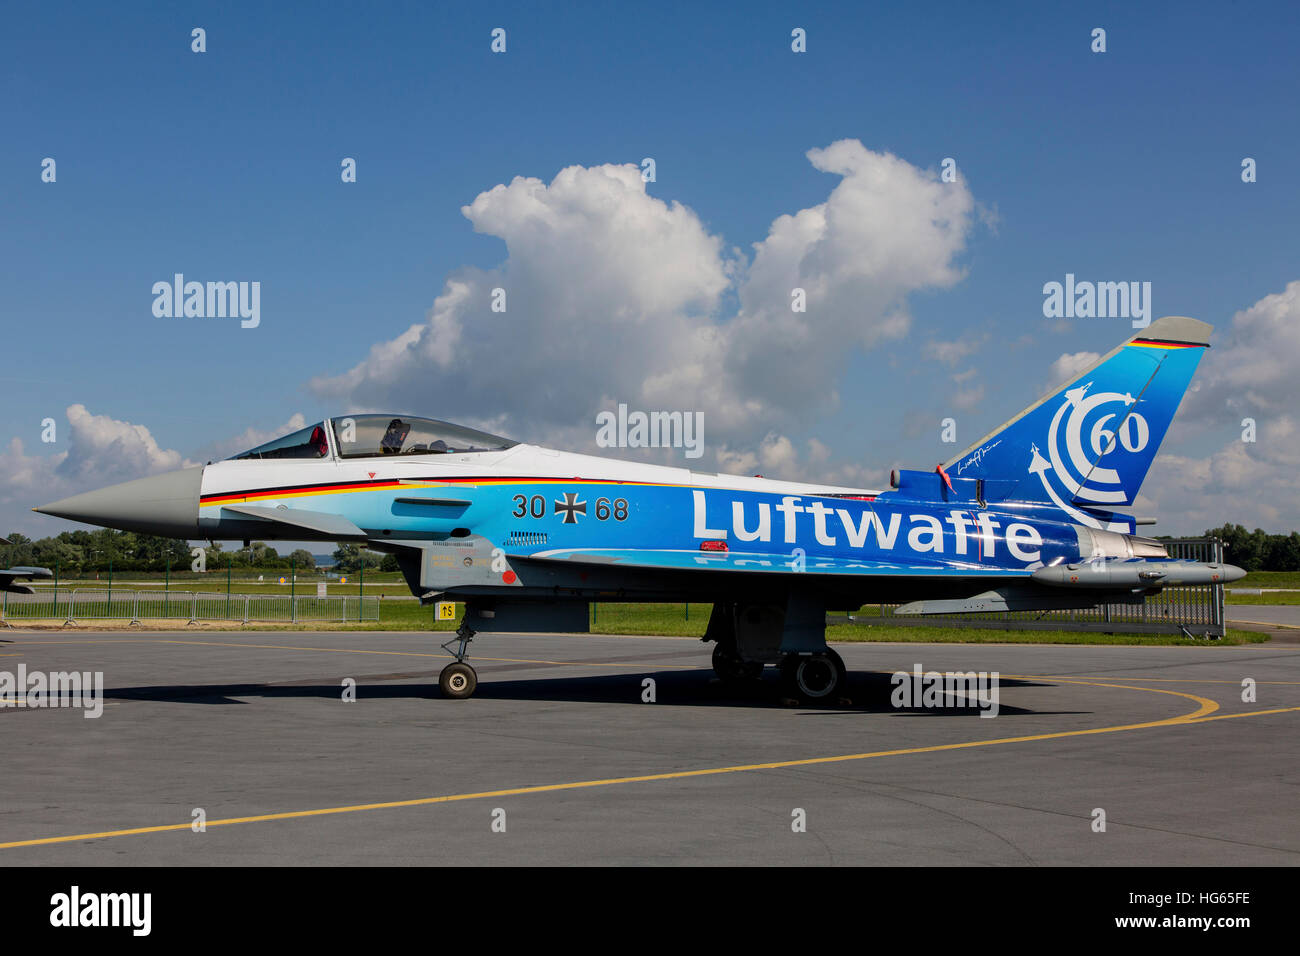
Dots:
pixel 166 504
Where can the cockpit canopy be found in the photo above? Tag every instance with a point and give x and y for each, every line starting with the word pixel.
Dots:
pixel 369 436
pixel 309 442
pixel 372 436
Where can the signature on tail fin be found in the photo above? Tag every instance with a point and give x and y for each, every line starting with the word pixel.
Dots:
pixel 1090 444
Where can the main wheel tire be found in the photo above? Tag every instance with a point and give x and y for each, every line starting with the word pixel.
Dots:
pixel 813 677
pixel 457 680
pixel 732 668
pixel 839 664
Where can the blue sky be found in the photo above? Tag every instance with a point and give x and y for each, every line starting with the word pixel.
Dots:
pixel 1123 165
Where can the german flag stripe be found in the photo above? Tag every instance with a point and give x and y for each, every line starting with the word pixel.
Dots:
pixel 1168 344
pixel 382 484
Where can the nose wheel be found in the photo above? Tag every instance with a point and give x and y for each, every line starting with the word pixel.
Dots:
pixel 458 679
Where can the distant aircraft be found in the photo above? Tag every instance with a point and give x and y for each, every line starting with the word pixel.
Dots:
pixel 528 536
pixel 10 575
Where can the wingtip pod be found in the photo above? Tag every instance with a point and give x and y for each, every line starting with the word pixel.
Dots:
pixel 1089 443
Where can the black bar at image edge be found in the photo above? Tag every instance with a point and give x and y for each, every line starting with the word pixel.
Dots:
pixel 309 903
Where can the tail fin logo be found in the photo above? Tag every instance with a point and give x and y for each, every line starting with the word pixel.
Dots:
pixel 1087 446
pixel 1072 470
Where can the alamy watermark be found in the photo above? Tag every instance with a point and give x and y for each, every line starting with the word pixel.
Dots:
pixel 74 908
pixel 636 429
pixel 208 300
pixel 84 689
pixel 954 689
pixel 1099 300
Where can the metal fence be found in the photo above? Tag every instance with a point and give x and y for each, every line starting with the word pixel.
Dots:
pixel 83 604
pixel 1195 611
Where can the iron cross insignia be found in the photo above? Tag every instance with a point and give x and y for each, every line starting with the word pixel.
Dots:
pixel 571 507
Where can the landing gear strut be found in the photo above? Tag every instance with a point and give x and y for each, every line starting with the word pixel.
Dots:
pixel 458 680
pixel 731 668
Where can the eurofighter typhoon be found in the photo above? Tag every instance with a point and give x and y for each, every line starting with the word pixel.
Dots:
pixel 527 537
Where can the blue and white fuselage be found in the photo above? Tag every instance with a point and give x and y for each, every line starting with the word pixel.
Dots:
pixel 527 536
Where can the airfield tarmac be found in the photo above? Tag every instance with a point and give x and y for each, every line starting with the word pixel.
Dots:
pixel 251 727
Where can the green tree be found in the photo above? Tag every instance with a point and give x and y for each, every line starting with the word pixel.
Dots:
pixel 349 558
pixel 1284 552
pixel 214 557
pixel 18 551
pixel 54 553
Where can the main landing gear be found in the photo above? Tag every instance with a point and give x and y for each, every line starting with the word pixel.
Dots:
pixel 748 636
pixel 813 677
pixel 458 680
pixel 808 677
pixel 731 668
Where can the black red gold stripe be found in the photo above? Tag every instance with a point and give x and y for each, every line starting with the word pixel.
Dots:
pixel 1168 344
pixel 380 484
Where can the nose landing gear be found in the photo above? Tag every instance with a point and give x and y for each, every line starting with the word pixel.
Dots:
pixel 458 679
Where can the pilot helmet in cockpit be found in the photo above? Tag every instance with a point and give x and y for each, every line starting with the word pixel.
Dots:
pixel 393 439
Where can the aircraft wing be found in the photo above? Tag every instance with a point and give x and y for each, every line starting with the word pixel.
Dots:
pixel 8 577
pixel 334 526
pixel 1059 587
pixel 759 563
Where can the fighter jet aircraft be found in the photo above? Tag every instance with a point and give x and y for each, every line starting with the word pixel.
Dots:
pixel 9 575
pixel 528 536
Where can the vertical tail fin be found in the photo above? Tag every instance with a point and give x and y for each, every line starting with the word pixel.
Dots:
pixel 1091 442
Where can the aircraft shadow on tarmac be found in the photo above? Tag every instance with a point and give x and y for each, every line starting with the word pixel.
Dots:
pixel 866 692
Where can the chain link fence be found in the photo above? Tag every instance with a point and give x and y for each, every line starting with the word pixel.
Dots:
pixel 1194 611
pixel 93 604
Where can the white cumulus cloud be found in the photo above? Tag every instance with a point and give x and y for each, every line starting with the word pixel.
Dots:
pixel 1068 367
pixel 615 295
pixel 104 450
pixel 1251 369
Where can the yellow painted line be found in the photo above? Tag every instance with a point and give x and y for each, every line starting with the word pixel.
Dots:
pixel 1252 713
pixel 347 650
pixel 1207 706
pixel 356 650
pixel 1181 680
pixel 524 660
pixel 1164 680
pixel 1204 707
pixel 277 647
